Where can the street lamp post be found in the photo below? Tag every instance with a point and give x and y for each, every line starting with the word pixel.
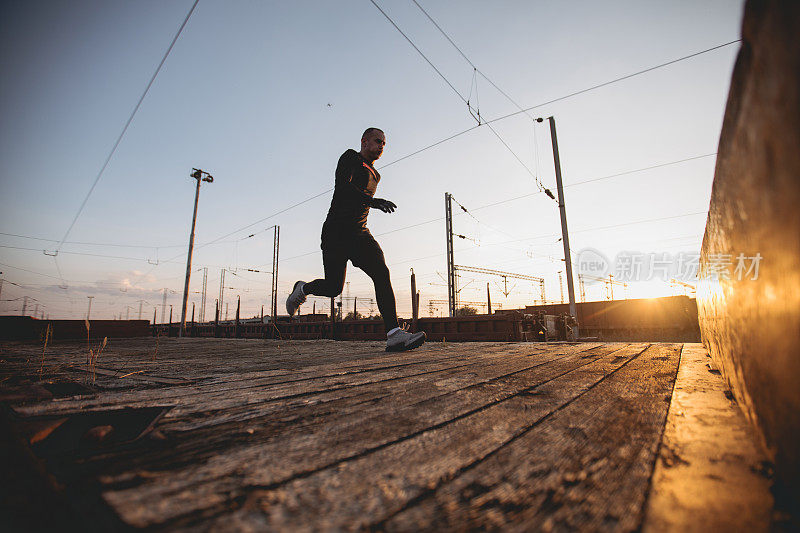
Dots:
pixel 197 174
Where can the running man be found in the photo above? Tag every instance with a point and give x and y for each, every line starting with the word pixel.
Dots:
pixel 345 237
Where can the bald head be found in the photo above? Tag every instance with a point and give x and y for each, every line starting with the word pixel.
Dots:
pixel 372 142
pixel 370 131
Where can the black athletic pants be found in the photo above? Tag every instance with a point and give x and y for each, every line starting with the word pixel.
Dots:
pixel 361 248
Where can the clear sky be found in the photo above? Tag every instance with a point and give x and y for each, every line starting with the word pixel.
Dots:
pixel 267 95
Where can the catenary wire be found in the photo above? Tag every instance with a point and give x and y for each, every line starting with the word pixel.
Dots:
pixel 125 128
pixel 465 100
pixel 615 80
pixel 460 133
pixel 419 51
pixel 493 84
pixel 570 95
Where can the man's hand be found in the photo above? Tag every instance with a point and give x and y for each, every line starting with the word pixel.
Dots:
pixel 386 206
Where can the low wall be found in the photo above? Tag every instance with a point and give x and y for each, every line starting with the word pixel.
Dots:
pixel 25 328
pixel 470 328
pixel 668 319
pixel 751 327
pixel 671 319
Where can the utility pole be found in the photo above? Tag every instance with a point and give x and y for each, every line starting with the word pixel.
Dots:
pixel 89 311
pixel 561 285
pixel 275 247
pixel 451 273
pixel 203 300
pixel 238 307
pixel 414 301
pixel 164 306
pixel 25 304
pixel 197 174
pixel 488 300
pixel 582 287
pixel 226 311
pixel 347 292
pixel 221 288
pixel 35 310
pixel 140 308
pixel 563 211
pixel 216 318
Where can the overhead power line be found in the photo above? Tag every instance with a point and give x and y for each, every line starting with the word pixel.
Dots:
pixel 615 80
pixel 463 132
pixel 419 51
pixel 29 271
pixel 465 100
pixel 267 217
pixel 592 180
pixel 125 128
pixel 520 197
pixel 633 223
pixel 493 84
pixel 570 95
pixel 81 243
pixel 103 256
pixel 76 253
pixel 218 239
pixel 459 134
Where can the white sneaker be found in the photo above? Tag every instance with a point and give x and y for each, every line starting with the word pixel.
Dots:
pixel 400 340
pixel 296 299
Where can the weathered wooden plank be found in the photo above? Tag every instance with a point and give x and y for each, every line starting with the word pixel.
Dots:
pixel 710 475
pixel 219 393
pixel 586 466
pixel 309 462
pixel 396 386
pixel 134 375
pixel 326 418
pixel 327 408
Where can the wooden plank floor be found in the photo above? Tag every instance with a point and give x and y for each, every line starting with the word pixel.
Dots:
pixel 310 435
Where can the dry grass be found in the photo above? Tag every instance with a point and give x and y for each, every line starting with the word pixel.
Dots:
pixel 131 373
pixel 93 355
pixel 47 335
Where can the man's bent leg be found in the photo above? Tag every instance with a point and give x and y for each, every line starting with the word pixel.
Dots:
pixel 368 256
pixel 335 264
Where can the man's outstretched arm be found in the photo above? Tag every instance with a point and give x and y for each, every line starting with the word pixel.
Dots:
pixel 387 206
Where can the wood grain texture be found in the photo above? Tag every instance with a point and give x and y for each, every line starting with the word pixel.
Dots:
pixel 320 435
pixel 711 475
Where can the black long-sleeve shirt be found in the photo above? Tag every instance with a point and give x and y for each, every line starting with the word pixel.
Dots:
pixel 356 183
